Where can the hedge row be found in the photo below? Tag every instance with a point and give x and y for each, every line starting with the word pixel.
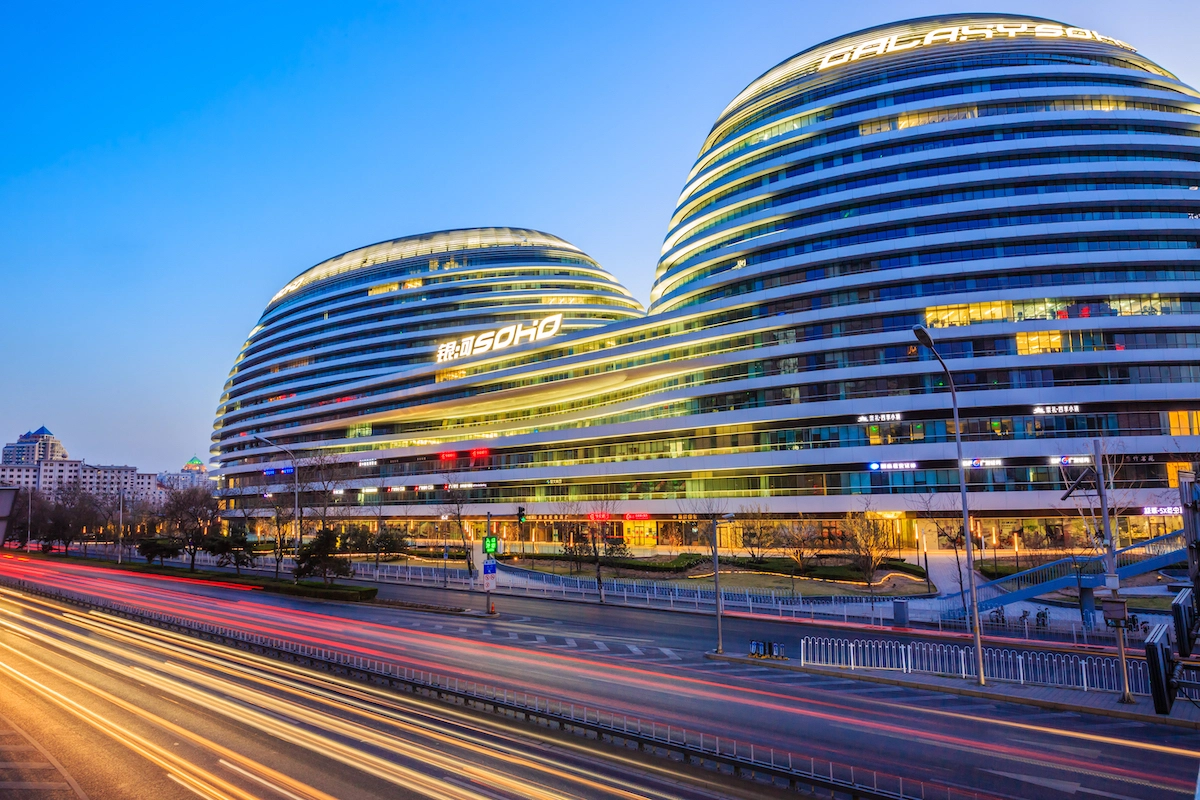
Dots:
pixel 352 594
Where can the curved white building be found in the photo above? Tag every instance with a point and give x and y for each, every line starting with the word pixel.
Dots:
pixel 1028 190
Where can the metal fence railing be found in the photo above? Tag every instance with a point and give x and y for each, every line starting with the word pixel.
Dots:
pixel 1062 670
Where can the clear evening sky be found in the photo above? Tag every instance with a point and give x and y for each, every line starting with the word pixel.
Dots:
pixel 165 169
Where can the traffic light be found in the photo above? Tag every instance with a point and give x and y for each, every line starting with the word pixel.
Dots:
pixel 520 513
pixel 1161 664
pixel 489 545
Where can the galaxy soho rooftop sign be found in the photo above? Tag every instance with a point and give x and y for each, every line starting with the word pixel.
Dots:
pixel 953 34
pixel 913 37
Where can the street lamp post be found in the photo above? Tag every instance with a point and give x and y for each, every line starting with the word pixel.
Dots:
pixel 120 523
pixel 924 338
pixel 296 480
pixel 719 601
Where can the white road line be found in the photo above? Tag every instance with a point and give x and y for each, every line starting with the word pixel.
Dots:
pixel 262 781
pixel 189 787
pixel 601 646
pixel 540 639
pixel 670 654
pixel 637 651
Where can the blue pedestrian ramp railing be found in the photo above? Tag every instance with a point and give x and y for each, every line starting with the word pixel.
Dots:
pixel 1080 571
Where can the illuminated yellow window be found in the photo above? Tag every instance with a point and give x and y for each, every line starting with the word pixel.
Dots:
pixel 964 314
pixel 940 115
pixel 414 283
pixel 874 126
pixel 1173 469
pixel 947 316
pixel 1032 344
pixel 383 288
pixel 1184 423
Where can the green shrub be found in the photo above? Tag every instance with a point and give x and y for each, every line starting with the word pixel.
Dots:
pixel 352 594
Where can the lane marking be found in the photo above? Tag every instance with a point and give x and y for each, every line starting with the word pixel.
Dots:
pixel 257 779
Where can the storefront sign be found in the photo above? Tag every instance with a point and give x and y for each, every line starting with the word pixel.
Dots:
pixel 892 465
pixel 879 418
pixel 1062 409
pixel 637 515
pixel 982 463
pixel 1162 511
pixel 1070 461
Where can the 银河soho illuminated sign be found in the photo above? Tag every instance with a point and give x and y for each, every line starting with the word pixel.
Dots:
pixel 885 45
pixel 508 336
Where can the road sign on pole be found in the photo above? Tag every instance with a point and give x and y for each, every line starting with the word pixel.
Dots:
pixel 489 576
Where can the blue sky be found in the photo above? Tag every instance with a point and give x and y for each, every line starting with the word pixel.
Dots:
pixel 165 168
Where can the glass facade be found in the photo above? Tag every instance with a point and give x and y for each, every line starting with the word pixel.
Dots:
pixel 1028 191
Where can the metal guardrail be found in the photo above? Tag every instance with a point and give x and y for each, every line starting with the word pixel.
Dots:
pixel 696 747
pixel 1060 670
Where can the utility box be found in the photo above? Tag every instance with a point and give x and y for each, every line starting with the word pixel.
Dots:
pixel 900 613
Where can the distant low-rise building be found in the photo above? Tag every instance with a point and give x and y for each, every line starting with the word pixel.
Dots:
pixel 51 476
pixel 34 446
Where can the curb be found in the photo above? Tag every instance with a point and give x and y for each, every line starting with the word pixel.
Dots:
pixel 862 675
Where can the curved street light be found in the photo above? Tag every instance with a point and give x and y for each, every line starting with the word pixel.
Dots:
pixel 925 339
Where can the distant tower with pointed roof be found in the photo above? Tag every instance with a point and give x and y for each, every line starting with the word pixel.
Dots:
pixel 193 473
pixel 34 446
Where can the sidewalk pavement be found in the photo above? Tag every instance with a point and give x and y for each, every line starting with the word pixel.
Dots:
pixel 1183 715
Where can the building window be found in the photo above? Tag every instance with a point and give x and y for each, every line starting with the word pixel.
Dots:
pixel 1184 423
pixel 382 288
pixel 1032 344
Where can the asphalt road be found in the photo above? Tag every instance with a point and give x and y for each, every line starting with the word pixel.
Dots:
pixel 108 708
pixel 651 664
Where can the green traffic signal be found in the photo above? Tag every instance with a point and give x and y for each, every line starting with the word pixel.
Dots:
pixel 489 545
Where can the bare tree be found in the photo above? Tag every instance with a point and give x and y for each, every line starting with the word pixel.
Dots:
pixel 384 541
pixel 282 517
pixel 72 512
pixel 574 545
pixel 599 519
pixel 759 530
pixel 940 511
pixel 191 512
pixel 707 510
pixel 456 496
pixel 322 482
pixel 868 540
pixel 107 509
pixel 801 540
